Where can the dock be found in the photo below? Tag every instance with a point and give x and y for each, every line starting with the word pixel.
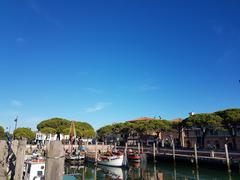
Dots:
pixel 189 156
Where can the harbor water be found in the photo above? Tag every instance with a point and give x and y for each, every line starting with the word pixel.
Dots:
pixel 148 171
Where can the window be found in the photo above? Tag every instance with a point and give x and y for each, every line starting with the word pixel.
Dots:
pixel 39 173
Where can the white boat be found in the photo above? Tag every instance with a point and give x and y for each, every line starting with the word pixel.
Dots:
pixel 34 169
pixel 114 160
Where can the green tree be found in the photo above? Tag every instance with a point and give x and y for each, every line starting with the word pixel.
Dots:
pixel 204 122
pixel 151 126
pixel 103 132
pixel 24 133
pixel 231 121
pixel 1 132
pixel 125 129
pixel 61 125
pixel 48 130
pixel 178 124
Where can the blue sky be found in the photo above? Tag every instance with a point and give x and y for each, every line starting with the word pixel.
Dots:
pixel 115 60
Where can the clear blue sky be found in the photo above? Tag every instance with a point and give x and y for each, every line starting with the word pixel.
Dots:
pixel 114 60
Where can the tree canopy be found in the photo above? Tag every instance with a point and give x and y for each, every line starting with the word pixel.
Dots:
pixel 127 128
pixel 231 121
pixel 205 122
pixel 1 132
pixel 24 133
pixel 48 130
pixel 60 125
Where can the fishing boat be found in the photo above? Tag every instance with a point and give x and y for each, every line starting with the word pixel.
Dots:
pixel 34 169
pixel 72 154
pixel 133 156
pixel 113 159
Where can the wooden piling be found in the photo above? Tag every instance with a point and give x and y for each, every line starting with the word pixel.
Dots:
pixel 20 159
pixel 96 153
pixel 227 158
pixel 3 154
pixel 125 154
pixel 195 155
pixel 55 161
pixel 154 153
pixel 139 151
pixel 173 150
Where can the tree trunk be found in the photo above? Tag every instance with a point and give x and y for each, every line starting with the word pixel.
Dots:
pixel 233 137
pixel 234 142
pixel 203 139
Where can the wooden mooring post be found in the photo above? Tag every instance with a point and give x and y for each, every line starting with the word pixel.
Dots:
pixel 55 161
pixel 195 155
pixel 125 154
pixel 139 151
pixel 173 150
pixel 20 155
pixel 227 158
pixel 154 153
pixel 96 153
pixel 3 156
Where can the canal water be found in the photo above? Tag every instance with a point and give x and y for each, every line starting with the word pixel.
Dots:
pixel 148 171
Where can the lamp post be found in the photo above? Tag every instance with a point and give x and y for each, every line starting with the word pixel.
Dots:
pixel 16 120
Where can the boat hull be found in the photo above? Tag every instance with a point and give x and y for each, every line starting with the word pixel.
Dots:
pixel 116 161
pixel 134 157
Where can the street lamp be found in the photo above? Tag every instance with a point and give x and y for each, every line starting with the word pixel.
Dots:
pixel 15 120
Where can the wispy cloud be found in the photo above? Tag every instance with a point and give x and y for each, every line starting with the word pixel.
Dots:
pixel 147 87
pixel 97 107
pixel 16 103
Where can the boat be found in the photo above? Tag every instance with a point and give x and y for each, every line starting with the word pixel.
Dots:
pixel 73 155
pixel 75 159
pixel 116 160
pixel 133 156
pixel 34 169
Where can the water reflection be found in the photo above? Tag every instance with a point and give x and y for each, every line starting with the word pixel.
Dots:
pixel 147 171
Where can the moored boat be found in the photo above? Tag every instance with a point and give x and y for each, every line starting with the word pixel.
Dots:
pixel 113 160
pixel 134 157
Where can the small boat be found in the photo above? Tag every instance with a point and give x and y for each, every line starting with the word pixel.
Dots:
pixel 34 169
pixel 114 160
pixel 135 157
pixel 75 157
